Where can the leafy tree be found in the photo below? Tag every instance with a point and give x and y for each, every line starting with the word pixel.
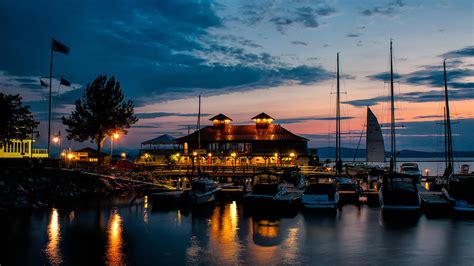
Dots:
pixel 16 120
pixel 101 112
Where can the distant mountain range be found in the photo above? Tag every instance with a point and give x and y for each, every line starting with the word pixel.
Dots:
pixel 329 152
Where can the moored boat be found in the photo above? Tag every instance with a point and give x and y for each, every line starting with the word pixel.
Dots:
pixel 320 193
pixel 203 190
pixel 399 192
pixel 269 195
pixel 460 192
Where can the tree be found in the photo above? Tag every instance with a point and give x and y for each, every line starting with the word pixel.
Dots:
pixel 16 120
pixel 101 112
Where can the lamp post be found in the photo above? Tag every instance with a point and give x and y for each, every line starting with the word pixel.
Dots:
pixel 292 156
pixel 114 136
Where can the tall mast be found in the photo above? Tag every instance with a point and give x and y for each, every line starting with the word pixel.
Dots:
pixel 393 165
pixel 449 144
pixel 338 122
pixel 199 135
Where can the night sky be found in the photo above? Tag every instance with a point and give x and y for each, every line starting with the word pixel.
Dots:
pixel 247 57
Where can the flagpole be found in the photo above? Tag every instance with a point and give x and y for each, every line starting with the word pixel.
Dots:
pixel 50 95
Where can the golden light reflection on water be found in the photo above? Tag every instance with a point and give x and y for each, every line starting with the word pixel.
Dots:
pixel 145 209
pixel 179 217
pixel 54 237
pixel 223 234
pixel 114 255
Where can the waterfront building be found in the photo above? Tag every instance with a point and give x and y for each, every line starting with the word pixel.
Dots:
pixel 22 149
pixel 260 143
pixel 85 155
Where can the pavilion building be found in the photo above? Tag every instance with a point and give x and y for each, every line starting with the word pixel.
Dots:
pixel 262 142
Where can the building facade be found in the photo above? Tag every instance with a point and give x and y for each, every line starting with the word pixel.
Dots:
pixel 21 149
pixel 262 142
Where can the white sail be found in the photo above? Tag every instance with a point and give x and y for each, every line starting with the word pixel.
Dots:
pixel 375 149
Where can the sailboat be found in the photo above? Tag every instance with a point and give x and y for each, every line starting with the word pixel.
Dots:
pixel 460 187
pixel 374 146
pixel 399 192
pixel 203 190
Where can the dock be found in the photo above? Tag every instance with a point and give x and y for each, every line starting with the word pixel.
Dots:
pixel 434 204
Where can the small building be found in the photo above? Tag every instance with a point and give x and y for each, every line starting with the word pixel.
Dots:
pixel 86 155
pixel 260 143
pixel 158 150
pixel 22 149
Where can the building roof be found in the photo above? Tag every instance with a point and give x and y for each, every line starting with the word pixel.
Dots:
pixel 92 153
pixel 163 139
pixel 262 116
pixel 220 117
pixel 242 133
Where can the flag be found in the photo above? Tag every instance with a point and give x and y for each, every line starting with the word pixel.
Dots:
pixel 65 82
pixel 59 47
pixel 43 84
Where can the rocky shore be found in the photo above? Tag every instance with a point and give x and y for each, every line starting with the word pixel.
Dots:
pixel 39 187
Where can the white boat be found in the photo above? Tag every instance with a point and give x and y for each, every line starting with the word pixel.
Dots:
pixel 203 190
pixel 460 192
pixel 320 193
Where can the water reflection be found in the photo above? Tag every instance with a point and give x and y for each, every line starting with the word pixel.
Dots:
pixel 145 209
pixel 223 237
pixel 54 237
pixel 114 255
pixel 266 233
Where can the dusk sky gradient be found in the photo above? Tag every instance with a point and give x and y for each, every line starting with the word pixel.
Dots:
pixel 247 57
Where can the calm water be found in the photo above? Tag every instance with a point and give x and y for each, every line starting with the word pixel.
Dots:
pixel 116 232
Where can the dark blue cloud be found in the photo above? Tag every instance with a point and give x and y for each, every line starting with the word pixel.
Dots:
pixel 165 114
pixel 299 43
pixel 390 9
pixel 467 51
pixel 158 50
pixel 431 76
pixel 314 118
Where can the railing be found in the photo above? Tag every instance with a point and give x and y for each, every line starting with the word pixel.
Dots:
pixel 39 151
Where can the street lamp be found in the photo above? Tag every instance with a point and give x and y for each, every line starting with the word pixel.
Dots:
pixel 124 155
pixel 114 136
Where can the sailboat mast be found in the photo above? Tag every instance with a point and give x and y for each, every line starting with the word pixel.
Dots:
pixel 199 133
pixel 449 144
pixel 338 116
pixel 393 165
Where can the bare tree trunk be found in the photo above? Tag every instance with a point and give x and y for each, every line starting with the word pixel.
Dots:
pixel 99 153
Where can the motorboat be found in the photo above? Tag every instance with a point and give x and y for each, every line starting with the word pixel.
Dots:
pixel 203 190
pixel 399 192
pixel 268 194
pixel 320 193
pixel 411 169
pixel 460 192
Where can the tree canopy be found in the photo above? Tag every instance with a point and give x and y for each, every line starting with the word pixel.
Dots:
pixel 16 120
pixel 101 112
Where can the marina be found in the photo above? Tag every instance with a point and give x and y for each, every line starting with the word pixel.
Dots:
pixel 113 231
pixel 188 132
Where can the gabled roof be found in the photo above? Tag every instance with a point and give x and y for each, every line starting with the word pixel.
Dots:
pixel 242 133
pixel 220 117
pixel 262 116
pixel 163 139
pixel 92 153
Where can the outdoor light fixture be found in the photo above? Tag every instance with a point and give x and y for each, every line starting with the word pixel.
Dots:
pixel 292 155
pixel 177 154
pixel 276 154
pixel 195 153
pixel 123 155
pixel 56 139
pixel 116 136
pixel 210 155
pixel 233 154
